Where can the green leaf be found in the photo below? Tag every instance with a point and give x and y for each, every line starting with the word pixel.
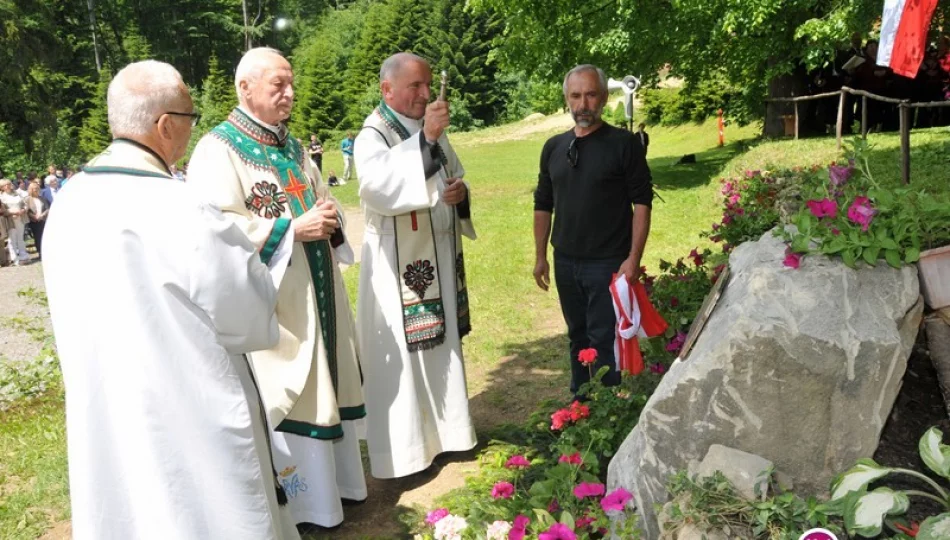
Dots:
pixel 935 528
pixel 866 512
pixel 544 517
pixel 857 478
pixel 893 257
pixel 870 254
pixel 911 255
pixel 934 453
pixel 889 243
pixel 567 519
pixel 850 256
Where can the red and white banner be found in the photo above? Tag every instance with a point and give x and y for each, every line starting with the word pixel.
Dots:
pixel 636 317
pixel 904 27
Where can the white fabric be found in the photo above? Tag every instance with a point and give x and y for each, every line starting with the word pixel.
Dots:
pixel 627 310
pixel 166 438
pixel 16 245
pixel 417 403
pixel 890 21
pixel 305 468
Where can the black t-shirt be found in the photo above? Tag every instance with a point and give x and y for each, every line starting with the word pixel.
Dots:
pixel 316 149
pixel 592 201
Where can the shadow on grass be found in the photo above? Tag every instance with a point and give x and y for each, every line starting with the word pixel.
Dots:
pixel 668 174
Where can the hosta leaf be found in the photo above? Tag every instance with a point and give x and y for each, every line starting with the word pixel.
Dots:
pixel 935 528
pixel 857 478
pixel 935 454
pixel 866 512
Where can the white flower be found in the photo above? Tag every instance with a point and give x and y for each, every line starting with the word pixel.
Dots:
pixel 450 527
pixel 499 530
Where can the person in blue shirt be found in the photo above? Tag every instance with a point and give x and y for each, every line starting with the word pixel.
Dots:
pixel 346 146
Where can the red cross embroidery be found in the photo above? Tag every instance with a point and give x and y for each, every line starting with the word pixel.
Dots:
pixel 295 188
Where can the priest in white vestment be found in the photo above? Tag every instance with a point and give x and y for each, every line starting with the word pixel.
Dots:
pixel 166 432
pixel 260 176
pixel 412 310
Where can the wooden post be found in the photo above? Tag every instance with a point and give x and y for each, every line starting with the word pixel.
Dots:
pixel 905 142
pixel 864 117
pixel 840 125
pixel 796 120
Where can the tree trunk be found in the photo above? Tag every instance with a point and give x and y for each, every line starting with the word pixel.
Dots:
pixel 787 85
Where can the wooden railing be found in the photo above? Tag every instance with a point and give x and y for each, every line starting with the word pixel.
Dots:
pixel 904 106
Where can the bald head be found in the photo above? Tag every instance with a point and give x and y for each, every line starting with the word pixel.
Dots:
pixel 140 93
pixel 394 65
pixel 264 82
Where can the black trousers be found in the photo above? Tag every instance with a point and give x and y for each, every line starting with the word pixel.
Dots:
pixel 583 286
pixel 36 227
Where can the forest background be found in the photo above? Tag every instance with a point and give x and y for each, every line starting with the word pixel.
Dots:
pixel 505 58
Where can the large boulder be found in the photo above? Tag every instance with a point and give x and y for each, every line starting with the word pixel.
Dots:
pixel 800 367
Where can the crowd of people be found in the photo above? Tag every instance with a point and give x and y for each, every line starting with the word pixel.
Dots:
pixel 856 67
pixel 25 201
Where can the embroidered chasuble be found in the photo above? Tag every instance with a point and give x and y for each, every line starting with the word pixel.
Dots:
pixel 311 380
pixel 413 300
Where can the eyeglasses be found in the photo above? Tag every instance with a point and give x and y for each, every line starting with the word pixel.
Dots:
pixel 195 117
pixel 572 153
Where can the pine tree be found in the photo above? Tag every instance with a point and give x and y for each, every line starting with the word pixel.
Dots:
pixel 95 136
pixel 217 97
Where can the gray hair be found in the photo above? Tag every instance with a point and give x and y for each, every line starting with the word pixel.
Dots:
pixel 583 68
pixel 392 65
pixel 252 66
pixel 139 94
pixel 4 182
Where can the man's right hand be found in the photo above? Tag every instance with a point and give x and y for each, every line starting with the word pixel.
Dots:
pixel 542 274
pixel 436 120
pixel 318 223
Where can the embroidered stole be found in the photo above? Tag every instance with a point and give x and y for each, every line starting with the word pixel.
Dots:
pixel 417 266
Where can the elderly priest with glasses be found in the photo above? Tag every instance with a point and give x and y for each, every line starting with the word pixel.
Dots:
pixel 165 425
pixel 595 181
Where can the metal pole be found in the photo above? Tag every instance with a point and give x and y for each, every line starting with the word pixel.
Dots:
pixel 864 117
pixel 840 125
pixel 905 142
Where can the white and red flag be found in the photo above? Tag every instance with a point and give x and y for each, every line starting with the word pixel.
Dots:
pixel 904 27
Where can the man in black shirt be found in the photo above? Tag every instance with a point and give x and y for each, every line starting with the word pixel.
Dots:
pixel 595 180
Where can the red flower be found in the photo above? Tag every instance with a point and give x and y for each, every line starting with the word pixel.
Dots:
pixel 674 301
pixel 861 212
pixel 657 368
pixel 560 418
pixel 697 257
pixel 588 489
pixel 792 260
pixel 573 459
pixel 517 462
pixel 587 356
pixel 579 411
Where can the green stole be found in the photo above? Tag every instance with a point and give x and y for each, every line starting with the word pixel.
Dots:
pixel 418 266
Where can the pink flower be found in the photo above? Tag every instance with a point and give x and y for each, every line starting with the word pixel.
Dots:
pixel 616 500
pixel 573 459
pixel 792 260
pixel 734 199
pixel 726 248
pixel 587 356
pixel 517 531
pixel 716 238
pixel 553 506
pixel 560 418
pixel 588 489
pixel 517 462
pixel 715 227
pixel 839 174
pixel 823 208
pixel 727 219
pixel 697 257
pixel 503 490
pixel 434 516
pixel 676 343
pixel 727 188
pixel 835 231
pixel 658 368
pixel 558 531
pixel 674 301
pixel 861 212
pixel 752 174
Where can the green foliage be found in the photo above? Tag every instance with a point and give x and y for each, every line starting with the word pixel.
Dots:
pixel 712 503
pixel 852 216
pixel 217 96
pixel 866 513
pixel 750 205
pixel 694 102
pixel 95 135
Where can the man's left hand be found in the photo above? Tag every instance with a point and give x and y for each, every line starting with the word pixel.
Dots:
pixel 631 269
pixel 455 191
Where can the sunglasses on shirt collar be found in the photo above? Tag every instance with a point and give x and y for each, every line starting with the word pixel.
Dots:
pixel 572 154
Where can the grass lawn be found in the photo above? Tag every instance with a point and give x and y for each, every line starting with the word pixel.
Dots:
pixel 510 315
